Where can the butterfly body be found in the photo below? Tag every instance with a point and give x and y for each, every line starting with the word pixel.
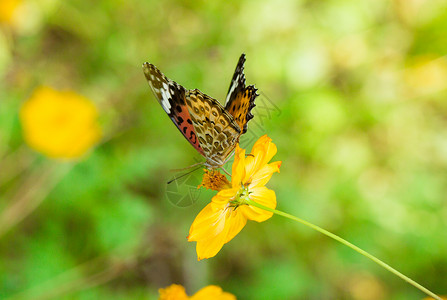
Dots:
pixel 213 130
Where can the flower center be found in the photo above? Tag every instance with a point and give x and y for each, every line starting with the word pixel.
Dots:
pixel 214 180
pixel 241 197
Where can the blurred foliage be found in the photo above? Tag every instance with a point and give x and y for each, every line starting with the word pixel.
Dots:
pixel 352 92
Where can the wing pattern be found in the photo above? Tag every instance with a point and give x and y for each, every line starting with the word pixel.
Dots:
pixel 216 129
pixel 240 99
pixel 213 130
pixel 171 96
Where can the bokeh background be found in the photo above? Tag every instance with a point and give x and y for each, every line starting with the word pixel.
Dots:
pixel 352 92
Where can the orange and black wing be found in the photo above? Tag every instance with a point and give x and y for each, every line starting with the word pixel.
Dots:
pixel 172 97
pixel 240 99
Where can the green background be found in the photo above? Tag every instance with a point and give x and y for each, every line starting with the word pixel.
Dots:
pixel 353 93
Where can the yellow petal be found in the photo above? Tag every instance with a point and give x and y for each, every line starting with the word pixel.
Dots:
pixel 173 292
pixel 235 225
pixel 224 196
pixel 209 248
pixel 263 196
pixel 212 292
pixel 262 152
pixel 213 227
pixel 208 231
pixel 8 10
pixel 208 223
pixel 263 175
pixel 238 169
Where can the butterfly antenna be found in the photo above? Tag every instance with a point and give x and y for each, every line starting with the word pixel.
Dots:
pixel 183 175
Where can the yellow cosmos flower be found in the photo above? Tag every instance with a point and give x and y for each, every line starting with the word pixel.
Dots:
pixel 177 292
pixel 173 292
pixel 226 215
pixel 59 124
pixel 8 9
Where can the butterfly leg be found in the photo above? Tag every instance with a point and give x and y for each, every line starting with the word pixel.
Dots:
pixel 223 169
pixel 189 167
pixel 226 160
pixel 183 175
pixel 229 157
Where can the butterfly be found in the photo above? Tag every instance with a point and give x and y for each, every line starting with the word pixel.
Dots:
pixel 212 129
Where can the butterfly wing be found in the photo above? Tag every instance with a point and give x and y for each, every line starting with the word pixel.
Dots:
pixel 172 97
pixel 217 131
pixel 240 99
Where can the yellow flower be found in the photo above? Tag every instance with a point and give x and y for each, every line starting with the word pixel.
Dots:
pixel 212 292
pixel 59 124
pixel 226 215
pixel 8 9
pixel 177 292
pixel 173 292
pixel 428 74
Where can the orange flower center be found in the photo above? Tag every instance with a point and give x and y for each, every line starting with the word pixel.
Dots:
pixel 214 180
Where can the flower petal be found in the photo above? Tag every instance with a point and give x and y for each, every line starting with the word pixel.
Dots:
pixel 238 169
pixel 262 152
pixel 224 196
pixel 174 291
pixel 212 292
pixel 237 222
pixel 263 196
pixel 214 226
pixel 263 175
pixel 209 248
pixel 208 223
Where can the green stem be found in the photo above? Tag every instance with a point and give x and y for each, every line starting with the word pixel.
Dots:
pixel 346 243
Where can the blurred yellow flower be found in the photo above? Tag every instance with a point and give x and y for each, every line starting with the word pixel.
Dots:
pixel 428 74
pixel 177 292
pixel 7 10
pixel 226 215
pixel 173 292
pixel 59 124
pixel 212 292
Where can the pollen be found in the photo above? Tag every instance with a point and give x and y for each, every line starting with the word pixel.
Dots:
pixel 214 180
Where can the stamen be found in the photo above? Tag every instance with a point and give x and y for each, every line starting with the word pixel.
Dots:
pixel 214 180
